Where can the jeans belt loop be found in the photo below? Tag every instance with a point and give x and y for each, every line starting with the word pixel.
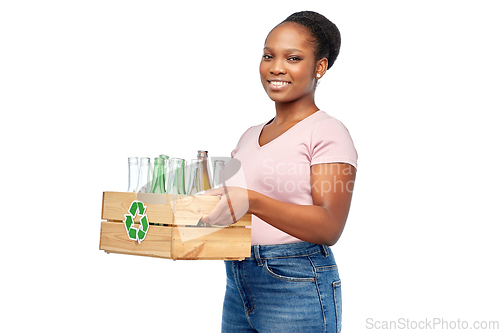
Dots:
pixel 257 255
pixel 324 249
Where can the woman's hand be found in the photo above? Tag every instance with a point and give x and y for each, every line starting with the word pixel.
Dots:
pixel 232 206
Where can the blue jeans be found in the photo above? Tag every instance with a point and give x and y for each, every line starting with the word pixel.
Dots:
pixel 283 288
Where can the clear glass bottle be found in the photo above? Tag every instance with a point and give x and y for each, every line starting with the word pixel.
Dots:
pixel 195 177
pixel 158 183
pixel 190 175
pixel 203 156
pixel 176 176
pixel 133 174
pixel 218 177
pixel 144 176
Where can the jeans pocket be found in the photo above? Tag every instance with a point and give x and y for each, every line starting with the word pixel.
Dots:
pixel 337 300
pixel 297 269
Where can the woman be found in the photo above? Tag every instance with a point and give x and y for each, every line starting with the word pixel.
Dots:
pixel 299 169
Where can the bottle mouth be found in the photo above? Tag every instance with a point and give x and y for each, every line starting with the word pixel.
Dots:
pixel 176 162
pixel 159 160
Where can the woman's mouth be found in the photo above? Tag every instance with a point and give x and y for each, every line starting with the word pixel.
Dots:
pixel 278 84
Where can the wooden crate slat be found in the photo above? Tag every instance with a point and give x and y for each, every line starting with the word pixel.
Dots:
pixel 157 243
pixel 204 243
pixel 189 209
pixel 245 221
pixel 160 207
pixel 116 204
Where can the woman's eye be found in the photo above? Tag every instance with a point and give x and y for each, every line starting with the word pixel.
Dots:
pixel 294 58
pixel 266 57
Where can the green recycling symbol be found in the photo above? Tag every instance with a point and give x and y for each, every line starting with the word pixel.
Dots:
pixel 138 234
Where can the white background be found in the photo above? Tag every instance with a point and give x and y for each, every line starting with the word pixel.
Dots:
pixel 85 84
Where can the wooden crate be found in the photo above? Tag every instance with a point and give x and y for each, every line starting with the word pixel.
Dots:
pixel 172 229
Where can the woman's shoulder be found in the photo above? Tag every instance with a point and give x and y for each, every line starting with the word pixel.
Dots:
pixel 329 129
pixel 325 123
pixel 322 116
pixel 331 142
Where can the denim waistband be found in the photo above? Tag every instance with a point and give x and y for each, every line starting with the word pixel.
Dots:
pixel 286 250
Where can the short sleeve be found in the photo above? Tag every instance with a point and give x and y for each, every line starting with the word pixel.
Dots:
pixel 332 143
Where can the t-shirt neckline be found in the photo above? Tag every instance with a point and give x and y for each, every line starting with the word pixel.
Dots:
pixel 282 134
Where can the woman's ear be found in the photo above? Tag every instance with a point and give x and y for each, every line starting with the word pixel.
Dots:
pixel 321 68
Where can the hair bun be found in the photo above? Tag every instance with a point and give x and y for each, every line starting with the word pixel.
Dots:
pixel 325 32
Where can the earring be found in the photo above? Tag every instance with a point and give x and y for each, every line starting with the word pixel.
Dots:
pixel 318 75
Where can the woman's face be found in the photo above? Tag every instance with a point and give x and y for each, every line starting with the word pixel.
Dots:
pixel 288 68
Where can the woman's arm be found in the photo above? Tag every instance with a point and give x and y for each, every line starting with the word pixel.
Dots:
pixel 321 223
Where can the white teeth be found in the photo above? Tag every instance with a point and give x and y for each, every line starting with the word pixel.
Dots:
pixel 279 83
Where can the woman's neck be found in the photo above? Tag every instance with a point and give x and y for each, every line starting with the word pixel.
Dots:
pixel 293 112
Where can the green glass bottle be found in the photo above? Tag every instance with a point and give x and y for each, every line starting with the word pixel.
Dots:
pixel 165 173
pixel 158 183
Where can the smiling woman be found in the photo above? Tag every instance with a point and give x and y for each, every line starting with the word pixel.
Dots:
pixel 299 169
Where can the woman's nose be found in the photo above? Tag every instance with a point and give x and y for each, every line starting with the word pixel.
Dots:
pixel 278 67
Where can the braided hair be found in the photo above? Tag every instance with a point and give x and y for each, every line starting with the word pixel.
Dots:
pixel 326 35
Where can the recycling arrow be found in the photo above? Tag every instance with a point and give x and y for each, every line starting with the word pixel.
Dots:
pixel 136 208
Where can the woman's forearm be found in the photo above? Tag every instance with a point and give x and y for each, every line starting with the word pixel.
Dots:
pixel 310 223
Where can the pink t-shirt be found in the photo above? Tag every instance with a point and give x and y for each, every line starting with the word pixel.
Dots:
pixel 281 168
